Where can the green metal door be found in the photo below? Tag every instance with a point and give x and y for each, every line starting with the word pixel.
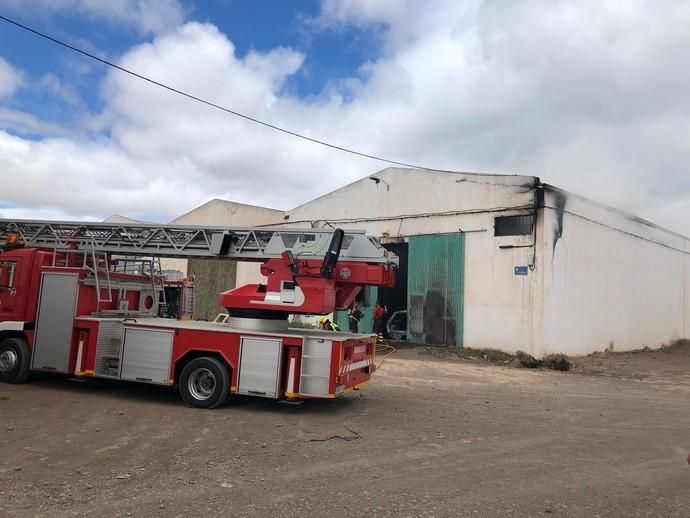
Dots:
pixel 435 289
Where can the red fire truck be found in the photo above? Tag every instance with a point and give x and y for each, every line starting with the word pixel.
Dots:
pixel 70 302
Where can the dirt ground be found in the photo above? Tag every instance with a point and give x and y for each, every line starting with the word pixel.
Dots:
pixel 427 437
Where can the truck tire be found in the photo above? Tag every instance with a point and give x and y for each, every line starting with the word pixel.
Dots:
pixel 15 358
pixel 204 383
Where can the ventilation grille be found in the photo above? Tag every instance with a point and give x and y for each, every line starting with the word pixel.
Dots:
pixel 513 225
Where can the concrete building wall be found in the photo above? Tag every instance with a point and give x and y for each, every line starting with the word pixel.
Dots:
pixel 502 309
pixel 610 280
pixel 249 273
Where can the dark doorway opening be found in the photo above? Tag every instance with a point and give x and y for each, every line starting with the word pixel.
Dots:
pixel 395 299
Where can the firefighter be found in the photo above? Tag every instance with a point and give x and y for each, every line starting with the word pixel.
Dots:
pixel 354 315
pixel 379 315
pixel 326 324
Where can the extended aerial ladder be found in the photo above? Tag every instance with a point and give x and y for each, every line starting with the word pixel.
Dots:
pixel 54 315
pixel 189 241
pixel 293 258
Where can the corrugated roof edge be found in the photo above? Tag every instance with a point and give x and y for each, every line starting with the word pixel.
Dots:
pixel 533 179
pixel 224 201
pixel 118 218
pixel 614 210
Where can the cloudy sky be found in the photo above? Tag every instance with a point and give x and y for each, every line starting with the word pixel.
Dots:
pixel 593 96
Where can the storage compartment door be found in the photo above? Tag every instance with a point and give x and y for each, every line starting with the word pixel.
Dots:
pixel 55 321
pixel 146 355
pixel 259 367
pixel 315 376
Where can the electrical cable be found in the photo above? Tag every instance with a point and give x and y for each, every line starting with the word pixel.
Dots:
pixel 208 103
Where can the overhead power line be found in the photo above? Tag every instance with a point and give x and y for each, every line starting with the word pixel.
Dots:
pixel 204 101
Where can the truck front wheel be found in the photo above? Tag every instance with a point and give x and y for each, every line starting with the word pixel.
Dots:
pixel 15 357
pixel 205 383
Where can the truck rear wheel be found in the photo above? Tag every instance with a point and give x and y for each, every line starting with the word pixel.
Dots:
pixel 205 383
pixel 15 357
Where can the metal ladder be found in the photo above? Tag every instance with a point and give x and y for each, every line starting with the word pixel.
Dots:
pixel 236 243
pixel 87 252
pixel 94 258
pixel 157 273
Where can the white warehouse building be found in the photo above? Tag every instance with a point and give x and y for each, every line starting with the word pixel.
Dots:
pixel 494 261
pixel 507 262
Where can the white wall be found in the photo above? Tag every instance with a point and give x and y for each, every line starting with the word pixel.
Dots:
pixel 502 310
pixel 612 280
pixel 249 273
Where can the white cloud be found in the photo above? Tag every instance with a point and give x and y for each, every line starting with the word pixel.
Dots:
pixel 26 123
pixel 590 96
pixel 59 89
pixel 41 214
pixel 91 178
pixel 147 16
pixel 11 79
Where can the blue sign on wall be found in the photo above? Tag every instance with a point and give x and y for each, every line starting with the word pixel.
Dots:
pixel 521 270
